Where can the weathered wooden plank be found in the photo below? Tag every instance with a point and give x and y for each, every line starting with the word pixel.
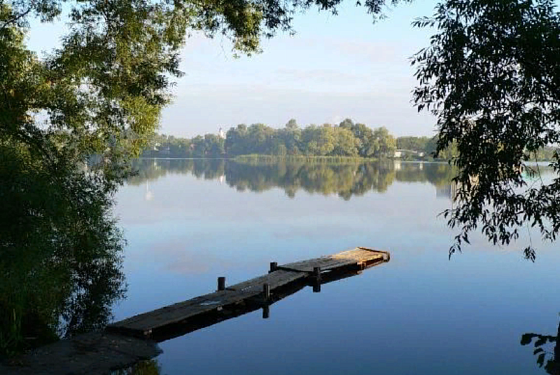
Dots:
pixel 147 322
pixel 274 279
pixel 357 256
pixel 386 254
pixel 180 311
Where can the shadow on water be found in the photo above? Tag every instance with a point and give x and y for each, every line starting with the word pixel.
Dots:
pixel 546 350
pixel 345 179
pixel 60 254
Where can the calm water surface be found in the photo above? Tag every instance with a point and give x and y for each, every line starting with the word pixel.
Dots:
pixel 188 222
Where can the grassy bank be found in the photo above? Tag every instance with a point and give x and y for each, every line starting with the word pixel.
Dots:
pixel 301 159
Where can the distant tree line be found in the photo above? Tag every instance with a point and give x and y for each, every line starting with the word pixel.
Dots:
pixel 347 139
pixel 208 146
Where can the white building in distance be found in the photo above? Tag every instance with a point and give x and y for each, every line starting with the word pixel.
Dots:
pixel 222 133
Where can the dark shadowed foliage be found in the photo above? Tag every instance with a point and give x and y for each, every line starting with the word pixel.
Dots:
pixel 547 348
pixel 60 252
pixel 150 367
pixel 491 76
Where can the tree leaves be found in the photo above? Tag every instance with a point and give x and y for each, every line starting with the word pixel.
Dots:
pixel 540 359
pixel 347 139
pixel 60 249
pixel 490 76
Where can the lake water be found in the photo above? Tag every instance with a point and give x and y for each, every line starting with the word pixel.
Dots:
pixel 188 222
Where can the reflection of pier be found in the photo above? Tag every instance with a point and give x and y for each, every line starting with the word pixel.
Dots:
pixel 131 340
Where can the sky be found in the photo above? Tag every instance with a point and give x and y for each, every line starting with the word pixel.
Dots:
pixel 335 67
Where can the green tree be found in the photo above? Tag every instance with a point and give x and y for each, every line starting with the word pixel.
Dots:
pixel 260 139
pixel 198 147
pixel 417 144
pixel 386 144
pixel 431 147
pixel 491 77
pixel 60 251
pixel 214 146
pixel 236 140
pixel 291 137
pixel 364 136
pixel 345 143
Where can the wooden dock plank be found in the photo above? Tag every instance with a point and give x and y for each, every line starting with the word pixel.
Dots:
pixel 180 311
pixel 274 279
pixel 147 322
pixel 357 256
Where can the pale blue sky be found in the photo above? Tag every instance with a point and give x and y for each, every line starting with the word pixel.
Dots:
pixel 333 68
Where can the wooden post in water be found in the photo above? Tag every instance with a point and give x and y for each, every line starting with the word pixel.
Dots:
pixel 273 267
pixel 266 292
pixel 317 273
pixel 316 279
pixel 266 298
pixel 221 283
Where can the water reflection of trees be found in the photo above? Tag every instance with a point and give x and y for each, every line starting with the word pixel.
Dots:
pixel 149 367
pixel 546 350
pixel 45 297
pixel 153 169
pixel 60 255
pixel 345 179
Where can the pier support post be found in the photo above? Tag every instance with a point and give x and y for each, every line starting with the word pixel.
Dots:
pixel 266 299
pixel 221 283
pixel 316 279
pixel 273 267
pixel 317 273
pixel 266 292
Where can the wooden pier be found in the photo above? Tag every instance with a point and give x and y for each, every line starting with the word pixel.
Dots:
pixel 134 339
pixel 251 294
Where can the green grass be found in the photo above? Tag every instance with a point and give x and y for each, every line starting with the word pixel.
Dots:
pixel 254 158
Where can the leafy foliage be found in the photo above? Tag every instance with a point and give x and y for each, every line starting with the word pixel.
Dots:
pixel 552 365
pixel 492 78
pixel 149 367
pixel 356 140
pixel 59 251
